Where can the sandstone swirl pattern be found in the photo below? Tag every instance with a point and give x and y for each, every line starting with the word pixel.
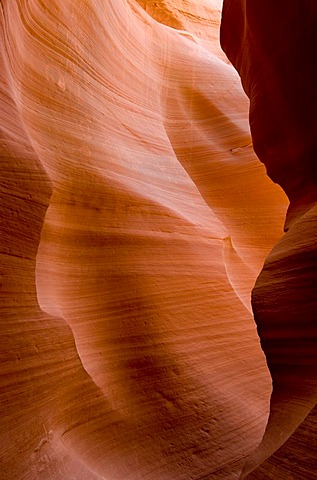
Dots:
pixel 272 44
pixel 135 219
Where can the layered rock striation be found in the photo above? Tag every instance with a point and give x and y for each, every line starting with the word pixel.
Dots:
pixel 135 219
pixel 272 46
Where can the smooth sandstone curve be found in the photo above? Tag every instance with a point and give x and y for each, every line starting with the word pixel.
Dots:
pixel 272 45
pixel 135 220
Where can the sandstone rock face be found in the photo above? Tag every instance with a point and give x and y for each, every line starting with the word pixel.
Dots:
pixel 135 219
pixel 272 45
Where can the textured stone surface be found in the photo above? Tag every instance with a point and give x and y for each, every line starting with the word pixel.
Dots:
pixel 272 45
pixel 296 459
pixel 135 219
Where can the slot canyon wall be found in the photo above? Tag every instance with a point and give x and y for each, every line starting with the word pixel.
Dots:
pixel 272 45
pixel 135 220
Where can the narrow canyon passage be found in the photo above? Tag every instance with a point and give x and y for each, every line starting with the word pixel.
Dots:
pixel 135 220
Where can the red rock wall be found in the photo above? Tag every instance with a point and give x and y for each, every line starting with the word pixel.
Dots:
pixel 272 45
pixel 135 219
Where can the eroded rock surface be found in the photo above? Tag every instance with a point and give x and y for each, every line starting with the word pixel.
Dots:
pixel 272 45
pixel 135 219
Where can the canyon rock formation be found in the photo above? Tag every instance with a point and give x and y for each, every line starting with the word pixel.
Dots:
pixel 272 45
pixel 135 220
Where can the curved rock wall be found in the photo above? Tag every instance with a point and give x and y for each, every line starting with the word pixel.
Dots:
pixel 272 45
pixel 135 219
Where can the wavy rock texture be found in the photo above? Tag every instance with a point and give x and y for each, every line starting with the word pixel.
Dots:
pixel 135 219
pixel 272 45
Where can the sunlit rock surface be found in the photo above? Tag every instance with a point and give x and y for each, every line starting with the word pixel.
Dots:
pixel 272 45
pixel 135 219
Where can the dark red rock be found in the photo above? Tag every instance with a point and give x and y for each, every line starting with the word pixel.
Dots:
pixel 272 44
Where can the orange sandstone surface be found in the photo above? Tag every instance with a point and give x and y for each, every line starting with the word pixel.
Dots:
pixel 272 44
pixel 135 219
